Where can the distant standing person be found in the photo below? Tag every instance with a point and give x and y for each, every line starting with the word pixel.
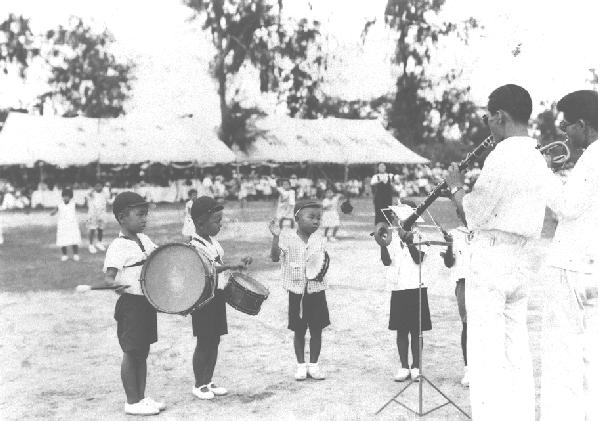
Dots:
pixel 383 190
pixel 97 201
pixel 188 229
pixel 67 226
pixel 331 217
pixel 285 203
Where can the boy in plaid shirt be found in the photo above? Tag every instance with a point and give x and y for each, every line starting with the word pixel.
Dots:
pixel 307 301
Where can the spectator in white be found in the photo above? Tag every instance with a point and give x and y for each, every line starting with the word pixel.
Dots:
pixel 285 204
pixel 265 187
pixel 505 210
pixel 219 188
pixel 570 327
pixel 243 192
pixel 207 186
pixel 294 182
pixel 273 184
pixel 251 187
pixel 97 202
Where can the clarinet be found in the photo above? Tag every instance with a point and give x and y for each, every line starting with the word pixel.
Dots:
pixel 437 191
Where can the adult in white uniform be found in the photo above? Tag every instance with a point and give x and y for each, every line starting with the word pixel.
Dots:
pixel 570 329
pixel 504 213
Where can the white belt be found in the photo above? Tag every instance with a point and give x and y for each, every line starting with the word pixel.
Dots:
pixel 496 237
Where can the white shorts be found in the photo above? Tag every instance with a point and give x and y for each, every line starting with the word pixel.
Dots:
pixel 96 220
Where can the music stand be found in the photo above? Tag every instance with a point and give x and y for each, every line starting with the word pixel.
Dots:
pixel 420 413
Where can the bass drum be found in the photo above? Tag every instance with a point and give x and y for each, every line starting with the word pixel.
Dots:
pixel 178 279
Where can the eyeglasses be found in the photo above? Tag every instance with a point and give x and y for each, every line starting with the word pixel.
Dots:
pixel 564 124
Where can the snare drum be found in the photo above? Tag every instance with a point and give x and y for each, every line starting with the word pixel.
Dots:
pixel 178 279
pixel 244 293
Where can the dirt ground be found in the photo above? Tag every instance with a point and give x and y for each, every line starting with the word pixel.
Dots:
pixel 61 358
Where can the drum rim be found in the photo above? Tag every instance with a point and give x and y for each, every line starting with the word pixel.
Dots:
pixel 324 267
pixel 144 270
pixel 245 276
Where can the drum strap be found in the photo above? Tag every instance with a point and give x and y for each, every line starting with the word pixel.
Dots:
pixel 218 258
pixel 141 262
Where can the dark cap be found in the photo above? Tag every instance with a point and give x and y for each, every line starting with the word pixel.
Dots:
pixel 205 205
pixel 127 199
pixel 304 204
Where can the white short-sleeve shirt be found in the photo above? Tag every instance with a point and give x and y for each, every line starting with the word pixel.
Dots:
pixel 125 255
pixel 211 248
pixel 403 272
pixel 294 254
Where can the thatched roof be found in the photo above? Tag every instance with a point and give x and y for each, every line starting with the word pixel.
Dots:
pixel 26 139
pixel 330 140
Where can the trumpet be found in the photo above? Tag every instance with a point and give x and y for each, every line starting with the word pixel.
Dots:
pixel 561 159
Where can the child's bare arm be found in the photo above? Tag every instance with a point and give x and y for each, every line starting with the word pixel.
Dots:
pixel 275 231
pixel 109 279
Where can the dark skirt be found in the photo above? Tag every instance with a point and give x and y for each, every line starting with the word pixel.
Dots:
pixel 404 310
pixel 211 320
pixel 315 313
pixel 136 322
pixel 383 198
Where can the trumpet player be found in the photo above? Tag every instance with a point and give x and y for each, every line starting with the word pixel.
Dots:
pixel 504 214
pixel 570 329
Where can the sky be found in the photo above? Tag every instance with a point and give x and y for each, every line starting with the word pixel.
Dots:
pixel 172 54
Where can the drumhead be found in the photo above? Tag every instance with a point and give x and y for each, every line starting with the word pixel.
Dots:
pixel 249 283
pixel 314 264
pixel 174 277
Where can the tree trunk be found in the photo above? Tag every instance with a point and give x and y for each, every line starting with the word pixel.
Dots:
pixel 225 125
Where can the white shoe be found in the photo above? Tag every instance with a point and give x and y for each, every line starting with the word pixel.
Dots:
pixel 76 257
pixel 402 374
pixel 64 258
pixel 92 249
pixel 415 374
pixel 301 372
pixel 217 391
pixel 161 406
pixel 101 247
pixel 141 408
pixel 203 392
pixel 315 372
pixel 465 379
pixel 332 239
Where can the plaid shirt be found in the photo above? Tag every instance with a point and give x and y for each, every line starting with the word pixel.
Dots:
pixel 294 253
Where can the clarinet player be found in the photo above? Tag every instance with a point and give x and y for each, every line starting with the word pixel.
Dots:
pixel 504 213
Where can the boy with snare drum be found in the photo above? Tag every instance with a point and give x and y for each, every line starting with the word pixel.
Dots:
pixel 209 322
pixel 136 318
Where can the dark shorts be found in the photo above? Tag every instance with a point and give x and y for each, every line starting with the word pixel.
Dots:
pixel 459 291
pixel 136 322
pixel 404 310
pixel 315 313
pixel 211 320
